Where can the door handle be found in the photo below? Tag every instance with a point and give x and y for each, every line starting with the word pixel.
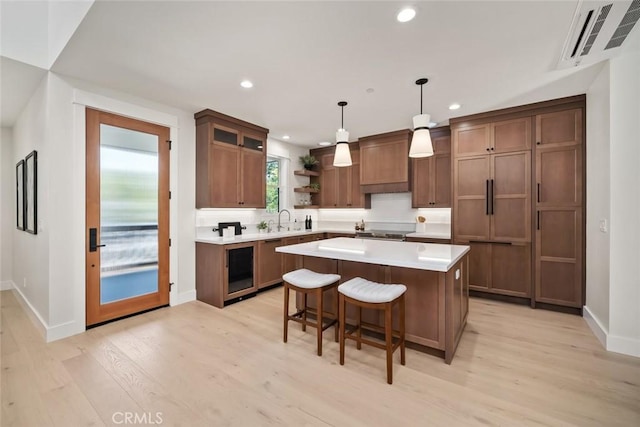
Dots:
pixel 93 240
pixel 492 197
pixel 486 196
pixel 538 220
pixel 538 197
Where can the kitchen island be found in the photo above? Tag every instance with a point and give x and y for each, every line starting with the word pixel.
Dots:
pixel 436 277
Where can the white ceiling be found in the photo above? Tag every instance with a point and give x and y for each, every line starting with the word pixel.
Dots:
pixel 304 57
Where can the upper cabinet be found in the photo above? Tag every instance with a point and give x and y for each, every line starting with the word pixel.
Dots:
pixel 490 138
pixel 431 176
pixel 230 162
pixel 384 162
pixel 340 186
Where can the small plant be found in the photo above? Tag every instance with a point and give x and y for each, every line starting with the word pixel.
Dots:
pixel 262 225
pixel 308 161
pixel 315 186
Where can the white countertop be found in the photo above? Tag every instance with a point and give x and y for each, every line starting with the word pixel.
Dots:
pixel 434 230
pixel 423 256
pixel 242 238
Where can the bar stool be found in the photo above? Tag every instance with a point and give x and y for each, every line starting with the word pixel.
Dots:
pixel 366 294
pixel 309 282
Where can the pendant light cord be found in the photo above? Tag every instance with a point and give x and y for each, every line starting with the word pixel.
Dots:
pixel 421 99
pixel 342 120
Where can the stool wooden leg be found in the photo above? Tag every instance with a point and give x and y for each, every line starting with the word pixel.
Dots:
pixel 341 308
pixel 359 331
pixel 286 311
pixel 337 310
pixel 304 313
pixel 402 329
pixel 319 319
pixel 388 340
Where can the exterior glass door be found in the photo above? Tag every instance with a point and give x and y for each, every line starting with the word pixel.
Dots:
pixel 127 216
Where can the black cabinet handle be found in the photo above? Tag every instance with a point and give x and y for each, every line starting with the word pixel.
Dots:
pixel 538 220
pixel 492 197
pixel 492 148
pixel 538 197
pixel 488 149
pixel 490 241
pixel 538 143
pixel 486 196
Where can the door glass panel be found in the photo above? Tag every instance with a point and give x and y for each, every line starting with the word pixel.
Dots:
pixel 227 137
pixel 128 213
pixel 252 143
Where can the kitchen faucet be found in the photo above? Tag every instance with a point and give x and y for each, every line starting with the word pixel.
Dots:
pixel 280 227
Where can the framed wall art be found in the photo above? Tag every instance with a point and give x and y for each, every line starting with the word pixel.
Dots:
pixel 31 192
pixel 20 195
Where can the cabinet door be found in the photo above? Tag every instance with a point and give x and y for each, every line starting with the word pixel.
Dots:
pixel 559 128
pixel 357 199
pixel 510 193
pixel 479 265
pixel 328 182
pixel 344 187
pixel 471 209
pixel 253 142
pixel 559 176
pixel 224 176
pixel 511 135
pixel 253 186
pixel 290 262
pixel 421 185
pixel 559 256
pixel 441 179
pixel 270 268
pixel 511 269
pixel 223 135
pixel 471 140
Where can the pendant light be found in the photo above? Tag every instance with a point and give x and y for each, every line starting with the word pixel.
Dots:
pixel 421 142
pixel 342 156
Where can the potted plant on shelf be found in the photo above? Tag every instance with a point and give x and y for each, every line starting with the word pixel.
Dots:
pixel 314 186
pixel 308 161
pixel 262 226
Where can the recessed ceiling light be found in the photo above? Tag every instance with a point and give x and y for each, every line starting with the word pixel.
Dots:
pixel 370 90
pixel 246 84
pixel 324 143
pixel 454 106
pixel 285 137
pixel 406 14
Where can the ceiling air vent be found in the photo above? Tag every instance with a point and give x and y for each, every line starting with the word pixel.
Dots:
pixel 597 29
pixel 626 25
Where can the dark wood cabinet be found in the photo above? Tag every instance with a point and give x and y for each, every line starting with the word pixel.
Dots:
pixel 492 197
pixel 270 263
pixel 230 162
pixel 293 262
pixel 559 204
pixel 222 274
pixel 385 162
pixel 340 186
pixel 431 176
pixel 518 200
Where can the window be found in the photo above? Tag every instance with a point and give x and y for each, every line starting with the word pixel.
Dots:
pixel 273 185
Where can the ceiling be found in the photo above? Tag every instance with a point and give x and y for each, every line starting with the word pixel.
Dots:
pixel 303 57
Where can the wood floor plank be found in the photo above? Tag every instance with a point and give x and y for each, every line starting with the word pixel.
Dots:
pixel 199 365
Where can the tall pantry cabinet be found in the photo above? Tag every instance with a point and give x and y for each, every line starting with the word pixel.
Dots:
pixel 518 178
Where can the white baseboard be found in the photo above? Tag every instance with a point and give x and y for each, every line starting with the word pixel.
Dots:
pixel 616 344
pixel 596 326
pixel 32 313
pixel 624 345
pixel 6 285
pixel 186 297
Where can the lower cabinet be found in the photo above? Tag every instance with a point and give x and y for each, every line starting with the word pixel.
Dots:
pixel 293 262
pixel 270 263
pixel 225 272
pixel 500 268
pixel 428 240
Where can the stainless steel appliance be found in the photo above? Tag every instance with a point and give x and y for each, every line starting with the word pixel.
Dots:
pixel 399 236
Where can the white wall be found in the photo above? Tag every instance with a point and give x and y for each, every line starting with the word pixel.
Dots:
pixel 598 171
pixel 624 316
pixel 30 263
pixel 7 206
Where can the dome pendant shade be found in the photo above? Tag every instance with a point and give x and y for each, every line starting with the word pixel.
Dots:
pixel 421 145
pixel 342 156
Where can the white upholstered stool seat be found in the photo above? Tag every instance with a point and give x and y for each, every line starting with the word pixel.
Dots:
pixel 363 293
pixel 307 282
pixel 368 291
pixel 308 279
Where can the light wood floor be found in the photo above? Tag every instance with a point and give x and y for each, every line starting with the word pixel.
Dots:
pixel 195 365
